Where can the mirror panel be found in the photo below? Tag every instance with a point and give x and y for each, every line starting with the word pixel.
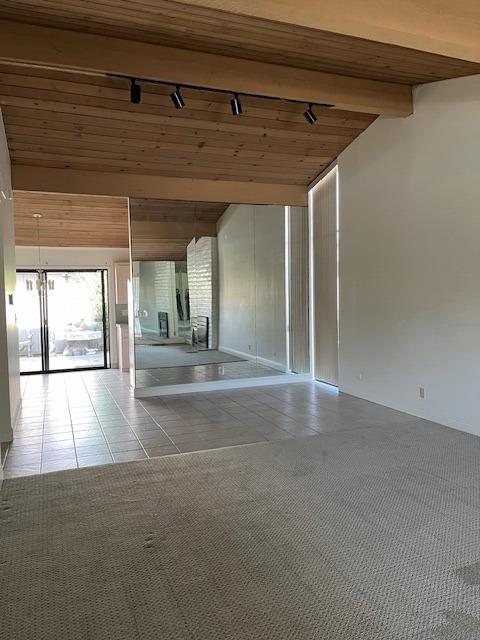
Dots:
pixel 209 291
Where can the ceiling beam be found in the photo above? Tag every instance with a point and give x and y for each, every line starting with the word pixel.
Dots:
pixel 448 28
pixel 58 48
pixel 171 230
pixel 31 178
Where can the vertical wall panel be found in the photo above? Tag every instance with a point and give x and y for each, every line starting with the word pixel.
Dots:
pixel 251 243
pixel 325 289
pixel 9 362
pixel 269 262
pixel 299 290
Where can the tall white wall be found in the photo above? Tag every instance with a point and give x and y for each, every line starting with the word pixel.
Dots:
pixel 9 360
pixel 147 298
pixel 410 258
pixel 81 257
pixel 251 255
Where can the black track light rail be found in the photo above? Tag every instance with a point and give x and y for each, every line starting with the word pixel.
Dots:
pixel 233 92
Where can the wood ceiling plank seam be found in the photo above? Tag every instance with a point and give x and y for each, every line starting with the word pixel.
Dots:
pixel 78 124
pixel 223 145
pixel 174 153
pixel 224 127
pixel 172 150
pixel 269 105
pixel 267 112
pixel 264 104
pixel 185 168
pixel 188 117
pixel 313 150
pixel 27 134
pixel 328 117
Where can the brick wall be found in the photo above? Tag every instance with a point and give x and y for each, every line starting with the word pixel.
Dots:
pixel 202 268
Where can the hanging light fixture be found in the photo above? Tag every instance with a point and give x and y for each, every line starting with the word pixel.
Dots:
pixel 39 282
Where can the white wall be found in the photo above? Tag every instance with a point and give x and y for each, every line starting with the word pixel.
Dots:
pixel 9 360
pixel 86 258
pixel 147 299
pixel 251 255
pixel 158 293
pixel 410 258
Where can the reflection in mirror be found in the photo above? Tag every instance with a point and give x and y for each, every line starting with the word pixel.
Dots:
pixel 209 291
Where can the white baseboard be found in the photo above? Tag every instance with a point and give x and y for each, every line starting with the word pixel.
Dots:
pixel 271 363
pixel 252 358
pixel 235 352
pixel 220 385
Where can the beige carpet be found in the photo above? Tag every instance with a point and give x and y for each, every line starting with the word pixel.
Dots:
pixel 361 535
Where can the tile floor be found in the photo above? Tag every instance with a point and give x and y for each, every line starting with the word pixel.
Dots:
pixel 203 373
pixel 90 418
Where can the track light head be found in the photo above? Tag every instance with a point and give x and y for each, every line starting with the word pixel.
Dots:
pixel 236 105
pixel 310 116
pixel 177 98
pixel 135 92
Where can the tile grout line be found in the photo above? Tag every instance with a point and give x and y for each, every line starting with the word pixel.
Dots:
pixel 124 416
pixel 71 423
pixel 96 415
pixel 159 426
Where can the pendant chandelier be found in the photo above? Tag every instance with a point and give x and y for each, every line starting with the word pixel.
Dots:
pixel 40 282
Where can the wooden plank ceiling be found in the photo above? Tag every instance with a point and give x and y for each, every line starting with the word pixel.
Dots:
pixel 210 30
pixel 70 120
pixel 70 220
pixel 162 229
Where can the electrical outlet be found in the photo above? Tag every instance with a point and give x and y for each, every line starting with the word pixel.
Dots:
pixel 422 393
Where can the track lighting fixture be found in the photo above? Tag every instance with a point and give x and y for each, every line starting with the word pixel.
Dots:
pixel 135 92
pixel 177 99
pixel 236 105
pixel 310 117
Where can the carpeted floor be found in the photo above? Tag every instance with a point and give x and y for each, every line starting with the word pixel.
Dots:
pixel 179 355
pixel 356 535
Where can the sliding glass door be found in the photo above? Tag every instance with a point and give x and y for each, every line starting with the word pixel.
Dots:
pixel 29 310
pixel 62 320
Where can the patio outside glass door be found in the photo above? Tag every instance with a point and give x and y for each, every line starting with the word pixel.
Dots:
pixel 71 331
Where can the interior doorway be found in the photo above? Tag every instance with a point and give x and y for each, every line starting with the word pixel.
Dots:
pixel 62 320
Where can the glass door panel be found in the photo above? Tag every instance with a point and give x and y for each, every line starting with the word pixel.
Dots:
pixel 30 331
pixel 75 319
pixel 62 320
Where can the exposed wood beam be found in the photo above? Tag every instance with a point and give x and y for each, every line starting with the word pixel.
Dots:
pixel 31 178
pixel 43 46
pixel 444 28
pixel 172 230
